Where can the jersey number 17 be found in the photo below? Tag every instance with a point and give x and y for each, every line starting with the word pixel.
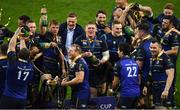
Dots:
pixel 23 75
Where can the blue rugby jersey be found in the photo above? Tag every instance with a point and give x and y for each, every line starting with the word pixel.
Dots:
pixel 81 90
pixel 18 75
pixel 127 71
pixel 113 43
pixel 170 41
pixel 144 54
pixel 100 29
pixel 3 68
pixel 159 66
pixel 50 55
pixel 97 46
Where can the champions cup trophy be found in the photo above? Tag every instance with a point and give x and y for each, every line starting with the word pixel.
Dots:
pixel 134 11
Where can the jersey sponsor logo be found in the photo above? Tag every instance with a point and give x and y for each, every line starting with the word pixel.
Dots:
pixel 24 69
pixel 114 42
pixel 84 43
pixel 157 62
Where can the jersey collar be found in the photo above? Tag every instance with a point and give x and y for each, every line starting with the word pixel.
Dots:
pixel 158 56
pixel 21 60
pixel 74 60
pixel 72 63
pixel 146 37
pixel 125 57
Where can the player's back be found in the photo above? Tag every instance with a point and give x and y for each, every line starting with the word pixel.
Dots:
pixel 19 74
pixel 129 77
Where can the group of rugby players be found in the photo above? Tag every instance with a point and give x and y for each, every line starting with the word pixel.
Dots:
pixel 133 57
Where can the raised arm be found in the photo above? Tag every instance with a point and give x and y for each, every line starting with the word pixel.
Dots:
pixel 22 43
pixel 147 10
pixel 12 43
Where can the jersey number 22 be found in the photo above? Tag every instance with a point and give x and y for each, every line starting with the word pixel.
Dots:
pixel 132 71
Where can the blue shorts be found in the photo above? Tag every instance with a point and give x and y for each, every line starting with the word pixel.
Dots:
pixel 157 89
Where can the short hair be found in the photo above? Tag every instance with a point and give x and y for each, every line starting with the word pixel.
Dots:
pixel 24 18
pixel 126 0
pixel 101 11
pixel 4 48
pixel 144 26
pixel 72 15
pixel 125 48
pixel 24 54
pixel 55 22
pixel 91 22
pixel 115 22
pixel 169 6
pixel 170 18
pixel 31 21
pixel 77 47
pixel 154 40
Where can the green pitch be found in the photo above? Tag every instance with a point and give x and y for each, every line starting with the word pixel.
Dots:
pixel 85 9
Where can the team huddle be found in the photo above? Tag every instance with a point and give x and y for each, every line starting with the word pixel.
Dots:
pixel 132 57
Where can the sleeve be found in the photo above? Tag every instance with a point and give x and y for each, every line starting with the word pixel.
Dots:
pixel 78 40
pixel 140 54
pixel 32 79
pixel 1 71
pixel 104 45
pixel 11 57
pixel 116 69
pixel 167 62
pixel 80 31
pixel 79 67
pixel 175 40
pixel 35 42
